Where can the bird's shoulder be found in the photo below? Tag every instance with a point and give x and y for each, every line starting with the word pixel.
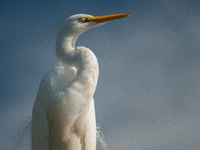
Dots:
pixel 82 48
pixel 59 75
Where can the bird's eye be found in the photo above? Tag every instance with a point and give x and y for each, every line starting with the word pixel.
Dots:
pixel 82 20
pixel 85 19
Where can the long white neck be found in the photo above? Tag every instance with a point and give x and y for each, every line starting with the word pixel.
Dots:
pixel 65 46
pixel 82 59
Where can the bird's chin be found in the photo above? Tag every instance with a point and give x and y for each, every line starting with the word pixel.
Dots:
pixel 97 24
pixel 100 24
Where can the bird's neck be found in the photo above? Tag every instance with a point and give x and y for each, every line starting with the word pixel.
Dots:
pixel 81 58
pixel 65 44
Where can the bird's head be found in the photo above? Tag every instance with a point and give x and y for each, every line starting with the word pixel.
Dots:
pixel 81 22
pixel 76 25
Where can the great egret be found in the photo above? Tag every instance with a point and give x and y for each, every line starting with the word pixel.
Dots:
pixel 63 116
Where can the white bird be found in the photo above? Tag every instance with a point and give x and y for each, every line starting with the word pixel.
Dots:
pixel 63 116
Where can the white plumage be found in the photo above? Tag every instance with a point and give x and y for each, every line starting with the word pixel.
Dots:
pixel 63 115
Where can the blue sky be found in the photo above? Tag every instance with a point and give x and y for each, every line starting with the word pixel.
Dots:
pixel 147 97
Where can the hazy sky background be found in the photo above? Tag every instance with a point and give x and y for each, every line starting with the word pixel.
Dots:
pixel 148 94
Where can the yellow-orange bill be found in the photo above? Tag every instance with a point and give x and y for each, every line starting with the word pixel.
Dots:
pixel 107 18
